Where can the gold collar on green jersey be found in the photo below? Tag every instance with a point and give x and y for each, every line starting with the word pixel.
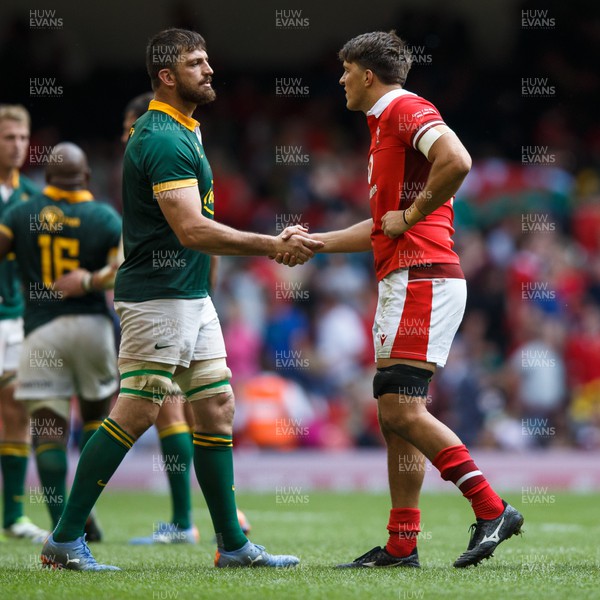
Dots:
pixel 72 196
pixel 13 178
pixel 187 122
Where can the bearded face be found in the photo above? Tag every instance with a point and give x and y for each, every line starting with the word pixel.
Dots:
pixel 193 77
pixel 197 92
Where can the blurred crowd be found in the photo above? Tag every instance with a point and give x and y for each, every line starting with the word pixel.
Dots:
pixel 524 370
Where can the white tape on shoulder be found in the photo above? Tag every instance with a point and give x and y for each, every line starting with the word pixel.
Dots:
pixel 430 137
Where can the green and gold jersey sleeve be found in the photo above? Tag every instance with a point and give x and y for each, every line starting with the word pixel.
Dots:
pixel 170 163
pixel 164 154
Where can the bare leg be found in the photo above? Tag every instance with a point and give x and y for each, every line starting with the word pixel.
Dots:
pixel 15 420
pixel 413 422
pixel 406 471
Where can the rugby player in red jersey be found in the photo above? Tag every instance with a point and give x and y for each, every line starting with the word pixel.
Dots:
pixel 416 165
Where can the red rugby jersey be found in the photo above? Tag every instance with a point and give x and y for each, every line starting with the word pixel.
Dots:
pixel 397 174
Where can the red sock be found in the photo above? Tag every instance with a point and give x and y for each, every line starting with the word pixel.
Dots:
pixel 404 525
pixel 456 465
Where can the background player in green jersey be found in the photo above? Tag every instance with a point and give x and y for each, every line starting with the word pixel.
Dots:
pixel 15 188
pixel 69 342
pixel 170 329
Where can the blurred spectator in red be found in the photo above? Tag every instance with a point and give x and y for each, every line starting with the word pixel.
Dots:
pixel 582 354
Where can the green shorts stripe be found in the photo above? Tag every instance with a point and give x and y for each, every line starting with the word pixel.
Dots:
pixel 141 393
pixel 147 372
pixel 208 386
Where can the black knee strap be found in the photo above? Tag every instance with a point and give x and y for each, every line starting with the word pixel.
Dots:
pixel 403 380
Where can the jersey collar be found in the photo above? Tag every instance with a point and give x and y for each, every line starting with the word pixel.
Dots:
pixel 385 101
pixel 72 196
pixel 12 180
pixel 187 122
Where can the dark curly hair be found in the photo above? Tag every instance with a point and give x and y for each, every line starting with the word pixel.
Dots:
pixel 382 52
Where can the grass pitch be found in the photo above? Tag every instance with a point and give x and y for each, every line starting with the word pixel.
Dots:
pixel 557 557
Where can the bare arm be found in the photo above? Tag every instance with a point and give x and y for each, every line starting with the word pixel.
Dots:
pixel 356 238
pixel 182 210
pixel 450 163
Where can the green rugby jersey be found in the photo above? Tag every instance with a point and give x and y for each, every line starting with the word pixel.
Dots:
pixel 55 232
pixel 164 153
pixel 11 299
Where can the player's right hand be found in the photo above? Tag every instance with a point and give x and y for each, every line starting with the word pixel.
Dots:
pixel 295 246
pixel 393 223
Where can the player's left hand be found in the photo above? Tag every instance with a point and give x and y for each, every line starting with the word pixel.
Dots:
pixel 290 230
pixel 393 223
pixel 71 283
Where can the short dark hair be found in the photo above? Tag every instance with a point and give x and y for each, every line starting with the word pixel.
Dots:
pixel 382 52
pixel 139 105
pixel 164 50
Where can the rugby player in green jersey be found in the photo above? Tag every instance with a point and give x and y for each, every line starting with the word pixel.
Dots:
pixel 69 342
pixel 15 188
pixel 174 419
pixel 170 329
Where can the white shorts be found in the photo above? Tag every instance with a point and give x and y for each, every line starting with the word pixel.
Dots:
pixel 11 340
pixel 73 354
pixel 170 331
pixel 417 318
